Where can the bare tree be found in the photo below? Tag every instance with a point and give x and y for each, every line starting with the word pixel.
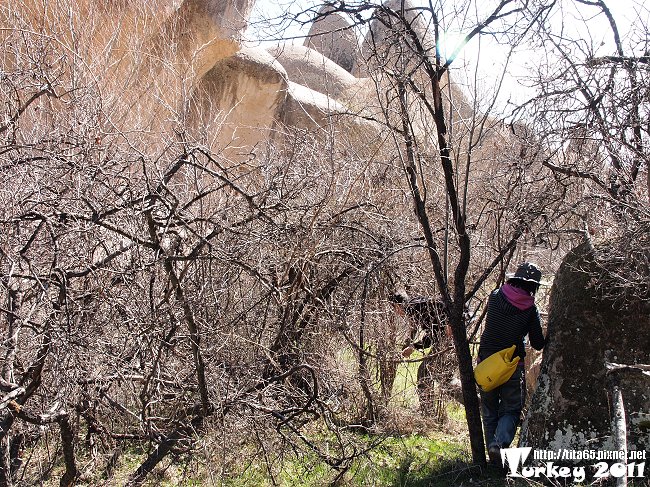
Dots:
pixel 157 293
pixel 588 117
pixel 151 287
pixel 474 201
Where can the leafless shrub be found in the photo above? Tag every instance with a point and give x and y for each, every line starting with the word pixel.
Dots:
pixel 154 291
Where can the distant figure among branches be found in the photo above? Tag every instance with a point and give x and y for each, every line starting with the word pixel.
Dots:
pixel 428 327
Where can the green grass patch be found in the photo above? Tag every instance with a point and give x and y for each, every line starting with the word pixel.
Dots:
pixel 404 393
pixel 411 460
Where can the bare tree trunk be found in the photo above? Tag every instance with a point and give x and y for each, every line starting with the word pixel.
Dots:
pixel 292 329
pixel 15 448
pixel 468 387
pixel 62 418
pixel 5 463
pixel 13 332
pixel 454 304
pixel 161 451
pixel 619 422
pixel 188 316
pixel 67 439
pixel 364 375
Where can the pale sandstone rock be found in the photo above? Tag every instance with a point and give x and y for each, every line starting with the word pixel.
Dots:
pixel 308 109
pixel 533 365
pixel 240 98
pixel 331 35
pixel 202 32
pixel 378 45
pixel 247 98
pixel 310 68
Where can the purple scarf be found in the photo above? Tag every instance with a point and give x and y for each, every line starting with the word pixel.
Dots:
pixel 517 297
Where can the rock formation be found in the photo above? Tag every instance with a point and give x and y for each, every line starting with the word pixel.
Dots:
pixel 245 96
pixel 163 62
pixel 308 109
pixel 381 47
pixel 533 366
pixel 312 69
pixel 571 405
pixel 332 35
pixel 204 31
pixel 240 98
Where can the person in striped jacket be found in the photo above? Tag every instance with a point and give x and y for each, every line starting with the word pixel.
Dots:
pixel 511 315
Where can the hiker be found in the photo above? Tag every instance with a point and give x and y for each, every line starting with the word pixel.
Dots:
pixel 511 315
pixel 428 323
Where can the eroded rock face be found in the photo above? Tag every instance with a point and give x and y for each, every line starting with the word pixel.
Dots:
pixel 320 91
pixel 241 98
pixel 381 44
pixel 247 98
pixel 310 68
pixel 533 365
pixel 204 31
pixel 308 109
pixel 570 407
pixel 331 35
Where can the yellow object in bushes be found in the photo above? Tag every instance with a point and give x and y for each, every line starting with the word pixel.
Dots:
pixel 496 369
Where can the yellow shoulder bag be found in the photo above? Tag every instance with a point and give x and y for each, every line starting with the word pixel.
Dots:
pixel 496 369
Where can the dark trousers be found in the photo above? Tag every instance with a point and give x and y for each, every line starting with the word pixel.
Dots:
pixel 501 409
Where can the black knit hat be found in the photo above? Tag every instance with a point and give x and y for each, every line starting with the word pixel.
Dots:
pixel 528 272
pixel 400 297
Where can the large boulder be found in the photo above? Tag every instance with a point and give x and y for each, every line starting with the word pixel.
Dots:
pixel 571 407
pixel 307 108
pixel 333 36
pixel 201 32
pixel 310 68
pixel 240 99
pixel 384 45
pixel 245 99
pixel 533 363
pixel 311 110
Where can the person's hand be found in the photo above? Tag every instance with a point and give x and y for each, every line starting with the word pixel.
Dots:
pixel 406 353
